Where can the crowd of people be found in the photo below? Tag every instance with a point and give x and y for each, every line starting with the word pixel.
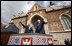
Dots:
pixel 67 41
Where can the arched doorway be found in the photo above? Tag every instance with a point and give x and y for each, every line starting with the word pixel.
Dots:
pixel 34 21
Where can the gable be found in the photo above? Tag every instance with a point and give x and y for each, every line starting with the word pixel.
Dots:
pixel 36 6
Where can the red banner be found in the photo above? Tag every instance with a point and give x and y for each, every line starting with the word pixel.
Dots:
pixel 49 41
pixel 26 41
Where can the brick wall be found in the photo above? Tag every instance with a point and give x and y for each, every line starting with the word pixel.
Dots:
pixel 22 19
pixel 60 37
pixel 54 22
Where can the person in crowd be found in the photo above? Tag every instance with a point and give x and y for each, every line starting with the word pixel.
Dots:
pixel 67 42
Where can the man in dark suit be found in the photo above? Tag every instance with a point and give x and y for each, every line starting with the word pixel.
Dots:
pixel 67 42
pixel 40 28
pixel 28 28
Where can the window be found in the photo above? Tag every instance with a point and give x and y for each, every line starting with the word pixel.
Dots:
pixel 66 22
pixel 35 8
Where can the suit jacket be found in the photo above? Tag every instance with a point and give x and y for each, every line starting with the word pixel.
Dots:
pixel 28 30
pixel 40 28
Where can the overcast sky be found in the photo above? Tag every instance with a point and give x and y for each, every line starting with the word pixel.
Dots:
pixel 10 8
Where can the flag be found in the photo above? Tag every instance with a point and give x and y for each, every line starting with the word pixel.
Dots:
pixel 42 41
pixel 14 41
pixel 26 41
pixel 2 25
pixel 49 41
pixel 6 26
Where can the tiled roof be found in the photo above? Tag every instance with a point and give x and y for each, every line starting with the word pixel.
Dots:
pixel 56 7
pixel 20 15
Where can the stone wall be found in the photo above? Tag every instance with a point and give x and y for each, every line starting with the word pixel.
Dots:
pixel 53 17
pixel 60 37
pixel 21 19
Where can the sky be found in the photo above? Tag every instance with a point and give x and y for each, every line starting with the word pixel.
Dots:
pixel 10 8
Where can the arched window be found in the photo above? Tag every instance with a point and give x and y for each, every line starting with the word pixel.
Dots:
pixel 35 8
pixel 66 22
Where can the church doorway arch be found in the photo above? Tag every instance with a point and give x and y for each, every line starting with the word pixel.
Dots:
pixel 33 21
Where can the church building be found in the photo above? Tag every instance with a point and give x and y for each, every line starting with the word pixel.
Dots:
pixel 58 21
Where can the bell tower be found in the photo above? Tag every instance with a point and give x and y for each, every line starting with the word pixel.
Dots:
pixel 36 7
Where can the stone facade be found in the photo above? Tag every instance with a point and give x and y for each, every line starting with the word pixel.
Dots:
pixel 19 19
pixel 54 25
pixel 60 37
pixel 53 18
